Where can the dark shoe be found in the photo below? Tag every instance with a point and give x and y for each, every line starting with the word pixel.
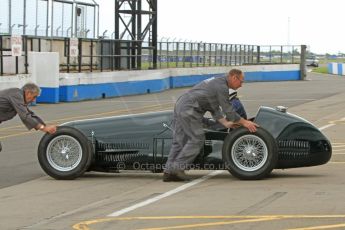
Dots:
pixel 0 147
pixel 178 176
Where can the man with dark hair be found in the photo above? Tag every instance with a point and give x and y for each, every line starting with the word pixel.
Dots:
pixel 188 136
pixel 15 101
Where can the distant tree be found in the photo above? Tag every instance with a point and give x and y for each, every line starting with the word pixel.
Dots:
pixel 341 54
pixel 296 52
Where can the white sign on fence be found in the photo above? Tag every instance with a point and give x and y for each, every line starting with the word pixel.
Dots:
pixel 73 47
pixel 16 45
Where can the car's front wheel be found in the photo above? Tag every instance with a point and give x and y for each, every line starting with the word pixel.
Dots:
pixel 249 156
pixel 66 154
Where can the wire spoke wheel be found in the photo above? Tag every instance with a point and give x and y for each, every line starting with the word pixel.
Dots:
pixel 64 153
pixel 249 156
pixel 249 153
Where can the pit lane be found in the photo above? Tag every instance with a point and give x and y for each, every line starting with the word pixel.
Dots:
pixel 310 196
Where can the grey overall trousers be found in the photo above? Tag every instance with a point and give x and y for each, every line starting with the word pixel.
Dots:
pixel 188 134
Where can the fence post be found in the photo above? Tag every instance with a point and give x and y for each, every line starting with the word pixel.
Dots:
pixel 302 62
pixel 258 54
pixel 221 53
pixel 230 61
pixel 184 54
pixel 226 55
pixel 168 56
pixel 209 54
pixel 204 58
pixel 117 53
pixel 80 54
pixel 67 49
pixel 177 56
pixel 128 55
pixel 139 54
pixel 25 43
pixel 155 52
pixel 1 58
pixel 17 68
pixel 191 54
pixel 101 56
pixel 160 54
pixel 215 54
pixel 91 56
pixel 240 56
pixel 252 55
pixel 112 47
pixel 198 55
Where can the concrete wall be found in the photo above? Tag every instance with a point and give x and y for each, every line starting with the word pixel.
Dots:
pixel 66 87
pixel 336 68
pixel 15 81
pixel 85 86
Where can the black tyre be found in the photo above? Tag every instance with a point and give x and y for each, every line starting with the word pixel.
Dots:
pixel 66 154
pixel 250 156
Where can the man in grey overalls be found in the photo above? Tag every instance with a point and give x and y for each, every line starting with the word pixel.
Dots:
pixel 188 136
pixel 15 101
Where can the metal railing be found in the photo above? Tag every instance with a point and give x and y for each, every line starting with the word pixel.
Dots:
pixel 109 54
pixel 55 18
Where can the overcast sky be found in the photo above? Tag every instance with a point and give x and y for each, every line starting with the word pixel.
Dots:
pixel 318 24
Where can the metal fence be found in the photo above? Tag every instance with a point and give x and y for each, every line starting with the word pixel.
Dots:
pixel 191 54
pixel 50 18
pixel 109 55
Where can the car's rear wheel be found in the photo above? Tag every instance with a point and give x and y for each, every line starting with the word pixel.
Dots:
pixel 249 156
pixel 66 154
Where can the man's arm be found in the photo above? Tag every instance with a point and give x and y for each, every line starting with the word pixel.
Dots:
pixel 251 126
pixel 232 118
pixel 42 125
pixel 17 102
pixel 46 128
pixel 29 118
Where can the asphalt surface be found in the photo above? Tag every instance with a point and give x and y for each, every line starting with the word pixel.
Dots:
pixel 304 198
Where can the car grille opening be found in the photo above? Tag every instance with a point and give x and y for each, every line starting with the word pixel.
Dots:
pixel 117 156
pixel 293 149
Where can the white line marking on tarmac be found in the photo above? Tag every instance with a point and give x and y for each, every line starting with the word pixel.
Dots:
pixel 326 126
pixel 338 150
pixel 164 195
pixel 330 125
